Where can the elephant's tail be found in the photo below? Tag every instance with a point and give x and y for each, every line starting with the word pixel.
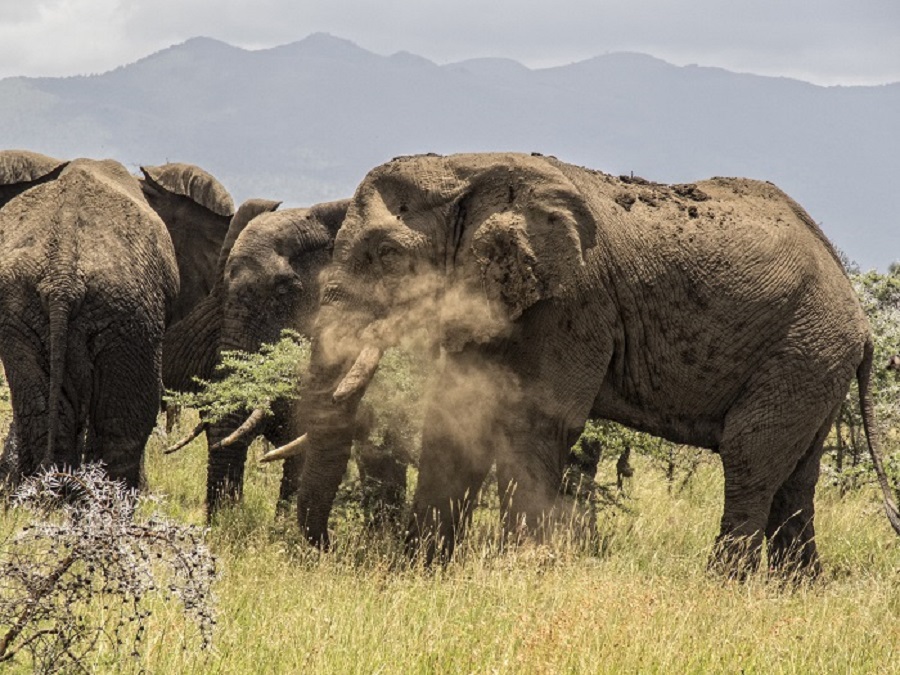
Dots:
pixel 58 311
pixel 863 375
pixel 62 293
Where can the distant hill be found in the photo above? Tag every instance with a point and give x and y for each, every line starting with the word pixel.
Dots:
pixel 303 122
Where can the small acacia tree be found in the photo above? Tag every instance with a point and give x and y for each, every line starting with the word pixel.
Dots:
pixel 616 442
pixel 389 422
pixel 250 380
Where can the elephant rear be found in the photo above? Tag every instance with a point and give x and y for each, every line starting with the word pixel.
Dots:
pixel 87 277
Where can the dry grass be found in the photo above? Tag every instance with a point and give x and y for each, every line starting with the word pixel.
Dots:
pixel 645 604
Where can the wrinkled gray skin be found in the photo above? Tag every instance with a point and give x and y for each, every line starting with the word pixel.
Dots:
pixel 268 281
pixel 87 277
pixel 21 170
pixel 716 315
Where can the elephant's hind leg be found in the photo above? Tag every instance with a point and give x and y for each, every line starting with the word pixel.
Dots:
pixel 790 530
pixel 765 437
pixel 124 403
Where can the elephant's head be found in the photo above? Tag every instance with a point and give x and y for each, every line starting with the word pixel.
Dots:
pixel 191 345
pixel 272 273
pixel 22 169
pixel 197 210
pixel 463 245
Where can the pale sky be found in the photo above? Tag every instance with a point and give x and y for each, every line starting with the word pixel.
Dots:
pixel 821 41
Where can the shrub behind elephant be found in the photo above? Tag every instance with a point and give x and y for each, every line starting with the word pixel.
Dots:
pixel 714 314
pixel 87 277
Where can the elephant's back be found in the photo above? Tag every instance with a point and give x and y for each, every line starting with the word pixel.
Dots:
pixel 714 280
pixel 114 243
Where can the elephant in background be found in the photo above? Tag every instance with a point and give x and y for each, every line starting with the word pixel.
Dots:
pixel 714 314
pixel 267 280
pixel 197 211
pixel 87 277
pixel 21 170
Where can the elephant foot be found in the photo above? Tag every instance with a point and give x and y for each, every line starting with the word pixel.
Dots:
pixel 794 561
pixel 428 539
pixel 735 557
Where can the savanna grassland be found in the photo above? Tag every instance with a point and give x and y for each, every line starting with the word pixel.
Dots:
pixel 640 601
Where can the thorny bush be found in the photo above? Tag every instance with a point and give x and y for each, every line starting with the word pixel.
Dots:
pixel 83 550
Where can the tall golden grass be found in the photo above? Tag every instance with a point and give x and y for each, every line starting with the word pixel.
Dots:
pixel 640 602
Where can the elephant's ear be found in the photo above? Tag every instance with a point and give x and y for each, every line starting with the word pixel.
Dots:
pixel 21 169
pixel 242 217
pixel 331 214
pixel 522 240
pixel 192 182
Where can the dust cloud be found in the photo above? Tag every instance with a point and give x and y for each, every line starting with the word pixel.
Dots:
pixel 468 393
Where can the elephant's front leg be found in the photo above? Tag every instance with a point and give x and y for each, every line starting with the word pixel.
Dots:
pixel 457 453
pixel 531 465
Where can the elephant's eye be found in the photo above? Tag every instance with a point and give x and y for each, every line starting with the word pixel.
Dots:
pixel 390 256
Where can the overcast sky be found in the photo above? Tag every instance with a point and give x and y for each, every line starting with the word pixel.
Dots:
pixel 821 41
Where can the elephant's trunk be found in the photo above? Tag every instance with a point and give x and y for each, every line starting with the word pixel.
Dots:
pixel 225 467
pixel 340 369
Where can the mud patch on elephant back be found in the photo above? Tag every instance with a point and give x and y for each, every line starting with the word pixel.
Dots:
pixel 690 191
pixel 648 198
pixel 635 180
pixel 625 200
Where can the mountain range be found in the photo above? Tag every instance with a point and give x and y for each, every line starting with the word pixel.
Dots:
pixel 304 122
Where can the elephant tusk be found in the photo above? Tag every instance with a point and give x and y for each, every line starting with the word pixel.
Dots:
pixel 359 375
pixel 238 434
pixel 196 431
pixel 295 447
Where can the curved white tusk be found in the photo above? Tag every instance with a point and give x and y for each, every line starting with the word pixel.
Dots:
pixel 246 427
pixel 359 375
pixel 196 431
pixel 295 447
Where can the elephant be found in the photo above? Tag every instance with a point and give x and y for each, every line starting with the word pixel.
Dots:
pixel 21 170
pixel 197 211
pixel 88 275
pixel 715 314
pixel 267 280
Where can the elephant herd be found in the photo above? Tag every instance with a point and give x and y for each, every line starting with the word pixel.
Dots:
pixel 715 314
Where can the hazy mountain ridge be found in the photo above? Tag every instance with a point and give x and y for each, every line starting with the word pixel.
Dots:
pixel 303 122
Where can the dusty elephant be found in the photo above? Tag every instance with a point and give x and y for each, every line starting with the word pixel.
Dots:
pixel 267 280
pixel 87 277
pixel 715 314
